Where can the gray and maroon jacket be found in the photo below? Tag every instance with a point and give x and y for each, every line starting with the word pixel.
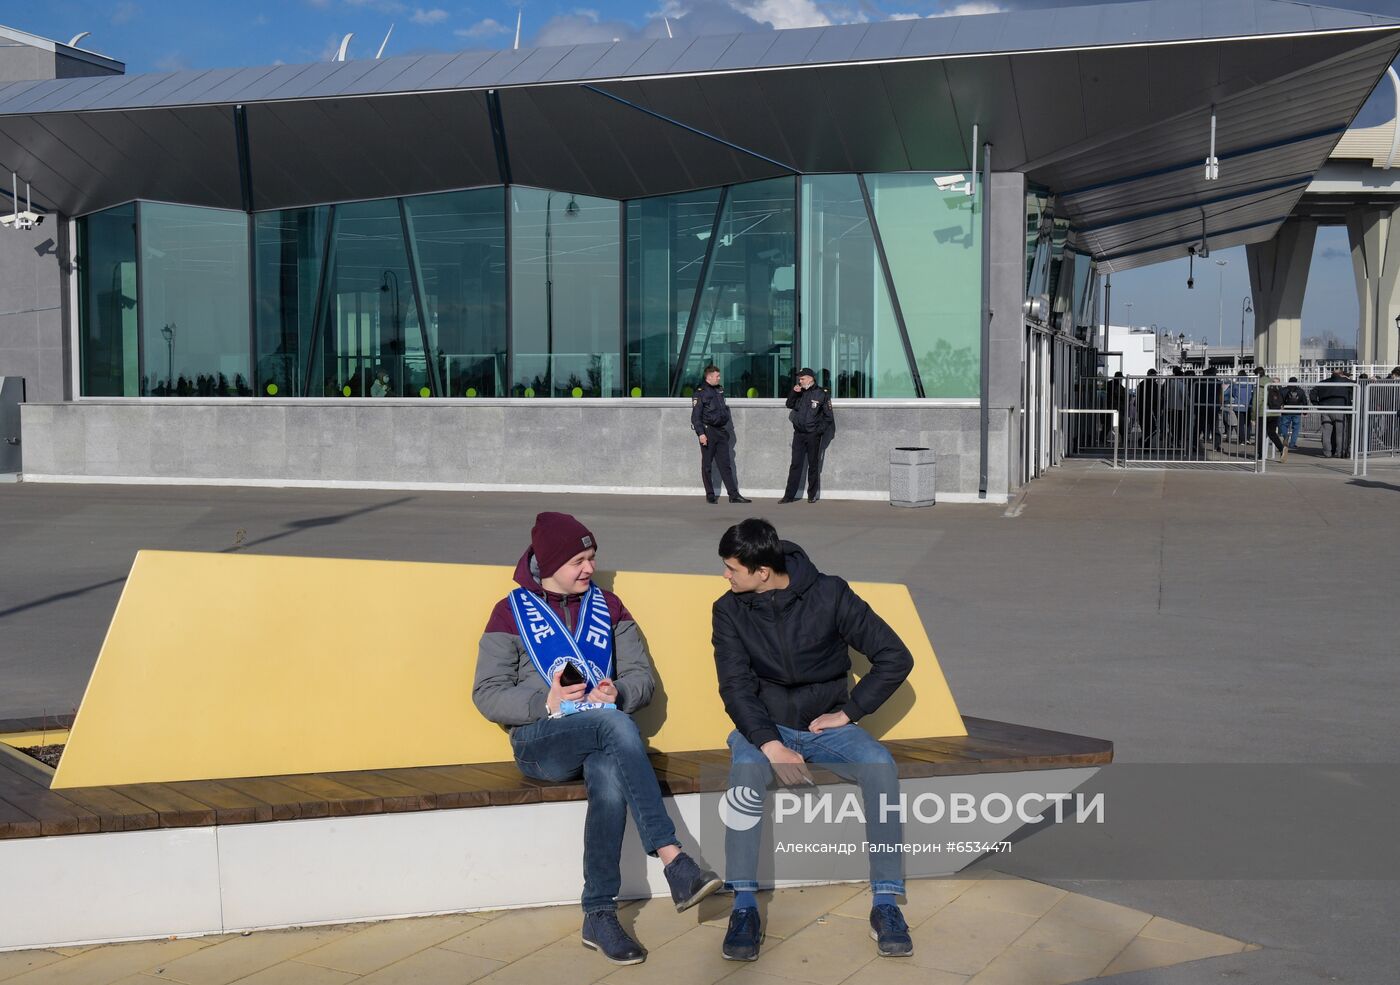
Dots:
pixel 510 691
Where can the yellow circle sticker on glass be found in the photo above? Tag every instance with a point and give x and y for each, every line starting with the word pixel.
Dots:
pixel 272 389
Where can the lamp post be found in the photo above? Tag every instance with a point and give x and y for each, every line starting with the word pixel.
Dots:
pixel 1129 306
pixel 167 332
pixel 1220 300
pixel 1245 308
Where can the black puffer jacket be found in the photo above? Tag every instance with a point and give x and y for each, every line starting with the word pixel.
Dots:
pixel 782 658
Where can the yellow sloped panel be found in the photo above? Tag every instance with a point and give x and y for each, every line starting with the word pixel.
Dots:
pixel 245 665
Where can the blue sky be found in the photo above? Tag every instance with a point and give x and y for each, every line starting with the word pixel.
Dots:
pixel 165 35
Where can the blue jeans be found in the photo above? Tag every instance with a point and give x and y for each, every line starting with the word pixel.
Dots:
pixel 837 750
pixel 604 747
pixel 1289 427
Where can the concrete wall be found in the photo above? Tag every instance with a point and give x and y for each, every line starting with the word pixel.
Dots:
pixel 1007 204
pixel 32 286
pixel 603 445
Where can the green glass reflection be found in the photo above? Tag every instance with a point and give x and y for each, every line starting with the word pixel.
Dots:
pixel 850 335
pixel 370 342
pixel 566 260
pixel 745 323
pixel 107 303
pixel 933 240
pixel 194 301
pixel 460 251
pixel 289 249
pixel 666 241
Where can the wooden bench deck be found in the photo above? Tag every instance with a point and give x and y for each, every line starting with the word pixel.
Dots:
pixel 29 809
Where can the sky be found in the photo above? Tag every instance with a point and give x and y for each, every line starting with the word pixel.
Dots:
pixel 166 35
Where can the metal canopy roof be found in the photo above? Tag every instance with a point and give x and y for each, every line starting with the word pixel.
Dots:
pixel 1107 105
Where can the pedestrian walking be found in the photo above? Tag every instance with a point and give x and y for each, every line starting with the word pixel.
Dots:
pixel 809 409
pixel 710 419
pixel 1333 396
pixel 1290 422
pixel 1267 401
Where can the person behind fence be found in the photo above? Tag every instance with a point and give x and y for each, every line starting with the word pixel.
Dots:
pixel 1208 400
pixel 782 638
pixel 1118 402
pixel 1239 399
pixel 1333 398
pixel 1148 392
pixel 1268 399
pixel 555 629
pixel 1290 422
pixel 709 419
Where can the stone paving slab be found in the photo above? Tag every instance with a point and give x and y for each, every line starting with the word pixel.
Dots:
pixel 982 928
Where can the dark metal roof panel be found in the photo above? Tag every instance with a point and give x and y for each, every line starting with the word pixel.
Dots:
pixel 883 39
pixel 384 77
pixel 704 53
pixel 40 99
pixel 1227 18
pixel 1071 26
pixel 535 66
pixel 283 75
pixel 976 34
pixel 930 36
pixel 229 88
pixel 336 83
pixel 837 44
pixel 423 68
pixel 578 63
pixel 620 58
pixel 1283 18
pixel 746 51
pixel 452 74
pixel 659 58
pixel 791 47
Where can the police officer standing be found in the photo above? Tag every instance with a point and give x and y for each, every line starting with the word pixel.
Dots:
pixel 812 420
pixel 709 416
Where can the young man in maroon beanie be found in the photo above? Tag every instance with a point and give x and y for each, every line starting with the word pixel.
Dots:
pixel 545 671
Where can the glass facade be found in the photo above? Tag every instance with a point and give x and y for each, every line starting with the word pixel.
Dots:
pixel 194 302
pixel 107 303
pixel 874 280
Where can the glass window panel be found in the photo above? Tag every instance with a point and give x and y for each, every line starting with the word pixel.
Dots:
pixel 748 305
pixel 371 344
pixel 566 261
pixel 849 332
pixel 460 248
pixel 107 303
pixel 666 241
pixel 194 301
pixel 289 249
pixel 933 240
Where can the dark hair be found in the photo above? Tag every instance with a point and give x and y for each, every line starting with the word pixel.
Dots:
pixel 1293 379
pixel 712 368
pixel 754 544
pixel 1260 371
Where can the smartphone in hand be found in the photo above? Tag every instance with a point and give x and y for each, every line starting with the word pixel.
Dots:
pixel 571 675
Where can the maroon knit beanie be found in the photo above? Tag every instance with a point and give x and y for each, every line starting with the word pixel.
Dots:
pixel 556 537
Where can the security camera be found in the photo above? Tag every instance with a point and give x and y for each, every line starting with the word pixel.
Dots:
pixel 28 220
pixel 953 183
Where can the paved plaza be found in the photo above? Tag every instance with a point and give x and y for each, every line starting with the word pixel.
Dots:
pixel 1189 616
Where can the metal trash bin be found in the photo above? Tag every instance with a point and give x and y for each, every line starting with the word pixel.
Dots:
pixel 911 477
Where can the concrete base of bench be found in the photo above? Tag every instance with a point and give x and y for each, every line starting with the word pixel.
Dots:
pixel 131 885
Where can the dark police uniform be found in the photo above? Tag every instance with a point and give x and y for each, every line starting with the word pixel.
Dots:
pixel 709 415
pixel 811 420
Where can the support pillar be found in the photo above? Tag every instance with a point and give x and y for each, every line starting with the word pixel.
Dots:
pixel 1278 277
pixel 1374 233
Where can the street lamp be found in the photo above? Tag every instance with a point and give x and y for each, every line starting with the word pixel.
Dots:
pixel 1220 300
pixel 1246 308
pixel 167 332
pixel 1129 306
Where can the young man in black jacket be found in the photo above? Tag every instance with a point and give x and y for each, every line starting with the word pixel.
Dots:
pixel 781 638
pixel 810 412
pixel 709 418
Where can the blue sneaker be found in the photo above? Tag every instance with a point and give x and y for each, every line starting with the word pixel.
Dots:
pixel 890 933
pixel 603 933
pixel 689 883
pixel 744 936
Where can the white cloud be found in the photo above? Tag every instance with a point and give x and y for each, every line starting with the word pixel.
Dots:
pixel 785 13
pixel 125 13
pixel 971 8
pixel 490 27
pixel 582 27
pixel 435 16
pixel 904 17
pixel 172 63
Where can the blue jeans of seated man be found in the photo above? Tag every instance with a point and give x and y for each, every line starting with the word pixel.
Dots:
pixel 837 750
pixel 604 747
pixel 1289 427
